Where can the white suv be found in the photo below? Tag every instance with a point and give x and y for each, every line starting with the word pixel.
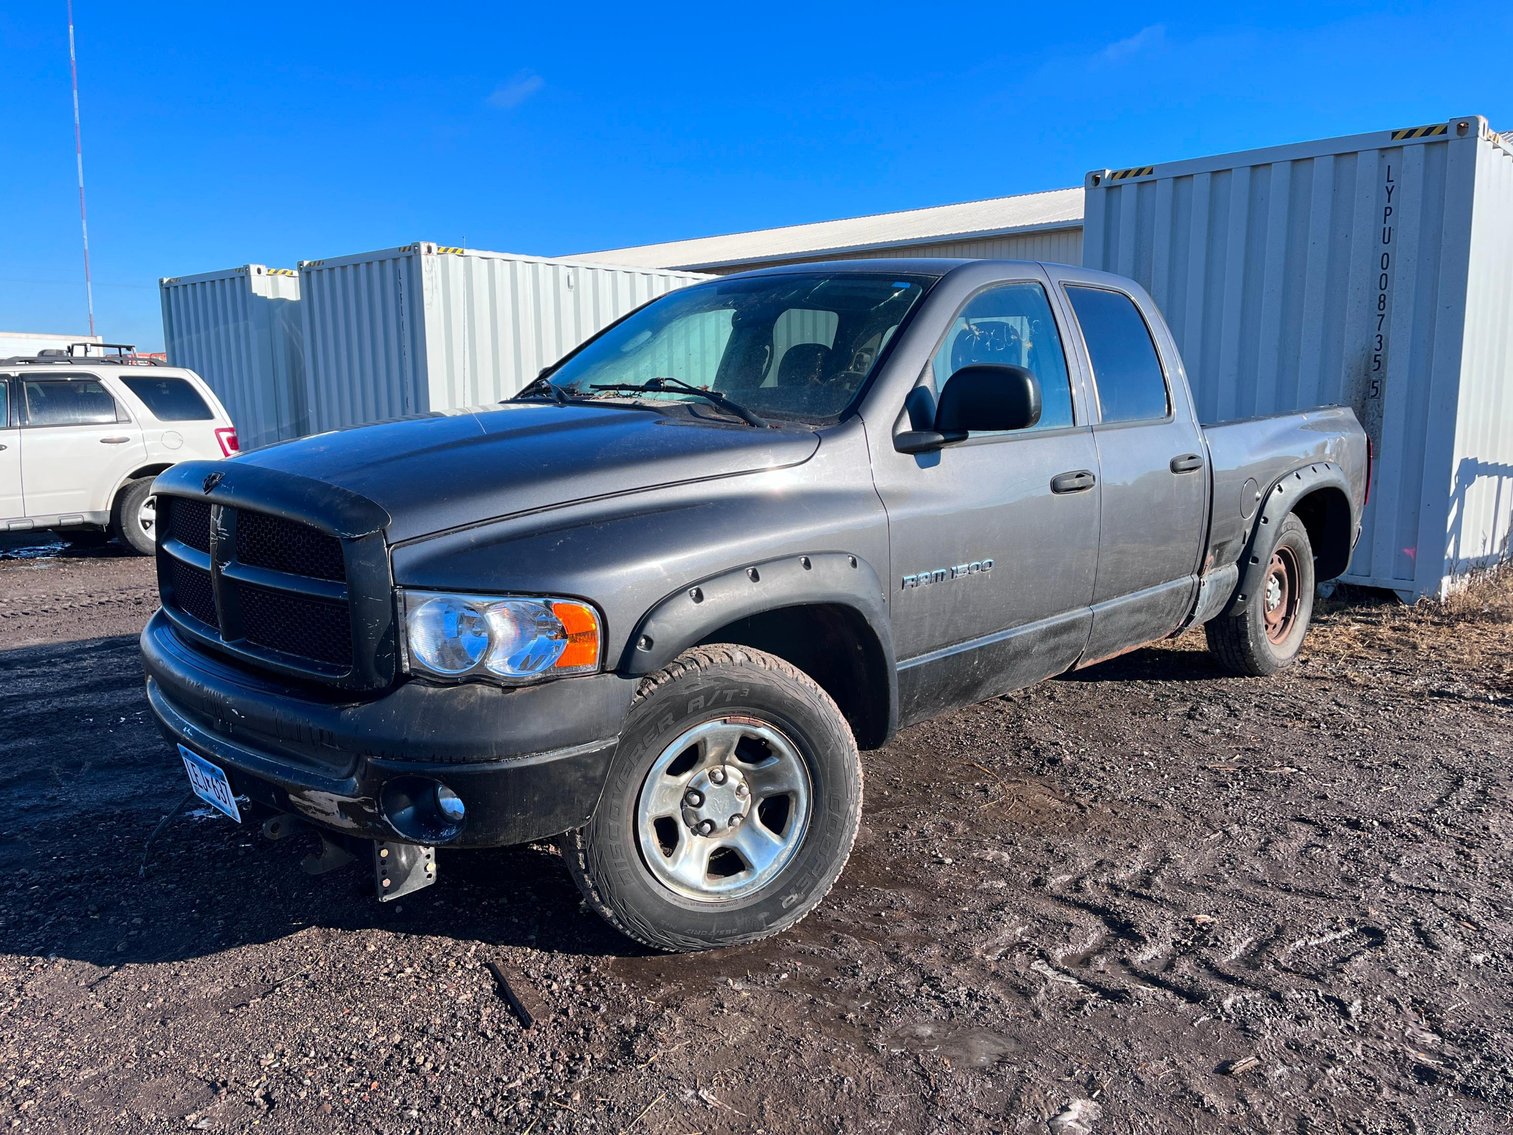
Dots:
pixel 81 441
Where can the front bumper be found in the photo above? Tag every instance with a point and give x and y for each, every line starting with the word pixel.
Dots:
pixel 528 762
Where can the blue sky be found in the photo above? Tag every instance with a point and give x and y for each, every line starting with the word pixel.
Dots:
pixel 218 134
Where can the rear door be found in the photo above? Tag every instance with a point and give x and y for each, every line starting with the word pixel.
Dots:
pixel 178 421
pixel 78 444
pixel 10 458
pixel 1155 476
pixel 994 540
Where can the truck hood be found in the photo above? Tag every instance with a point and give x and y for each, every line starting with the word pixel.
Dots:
pixel 443 471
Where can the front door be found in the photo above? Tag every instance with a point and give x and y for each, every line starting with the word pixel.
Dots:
pixel 10 458
pixel 79 444
pixel 994 540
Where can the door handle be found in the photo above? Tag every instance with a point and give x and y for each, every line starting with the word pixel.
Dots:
pixel 1187 462
pixel 1077 481
pixel 114 440
pixel 3 448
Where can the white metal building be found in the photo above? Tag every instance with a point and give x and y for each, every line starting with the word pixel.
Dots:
pixel 14 343
pixel 1031 226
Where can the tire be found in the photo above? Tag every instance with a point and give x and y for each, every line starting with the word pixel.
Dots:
pixel 133 520
pixel 723 729
pixel 1268 634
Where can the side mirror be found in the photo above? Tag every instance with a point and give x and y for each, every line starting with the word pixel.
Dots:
pixel 975 399
pixel 988 398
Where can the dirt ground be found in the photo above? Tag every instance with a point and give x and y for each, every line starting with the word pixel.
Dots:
pixel 1145 898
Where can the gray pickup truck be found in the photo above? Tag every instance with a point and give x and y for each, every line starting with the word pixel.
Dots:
pixel 655 604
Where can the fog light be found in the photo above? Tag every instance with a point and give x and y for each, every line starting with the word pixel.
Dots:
pixel 449 804
pixel 422 810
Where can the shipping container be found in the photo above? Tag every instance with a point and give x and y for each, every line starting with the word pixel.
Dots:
pixel 1374 271
pixel 240 331
pixel 428 327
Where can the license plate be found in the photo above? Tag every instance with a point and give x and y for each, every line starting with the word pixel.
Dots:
pixel 210 784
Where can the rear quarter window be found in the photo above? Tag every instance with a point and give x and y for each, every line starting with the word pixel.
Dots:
pixel 169 399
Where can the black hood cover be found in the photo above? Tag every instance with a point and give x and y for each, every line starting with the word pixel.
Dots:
pixel 446 470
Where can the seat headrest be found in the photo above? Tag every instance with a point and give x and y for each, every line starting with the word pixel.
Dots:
pixel 803 364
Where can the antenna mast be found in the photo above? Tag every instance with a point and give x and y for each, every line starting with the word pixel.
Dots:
pixel 73 67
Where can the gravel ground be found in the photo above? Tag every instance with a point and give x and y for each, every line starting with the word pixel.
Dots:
pixel 1145 898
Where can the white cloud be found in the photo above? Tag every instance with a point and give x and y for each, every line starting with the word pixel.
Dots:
pixel 1146 39
pixel 507 96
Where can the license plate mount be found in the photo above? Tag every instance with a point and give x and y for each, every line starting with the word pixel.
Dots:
pixel 210 783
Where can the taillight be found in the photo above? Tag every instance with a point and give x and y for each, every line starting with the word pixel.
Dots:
pixel 1367 499
pixel 227 437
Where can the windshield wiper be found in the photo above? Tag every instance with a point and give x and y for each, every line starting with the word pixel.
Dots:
pixel 543 384
pixel 654 385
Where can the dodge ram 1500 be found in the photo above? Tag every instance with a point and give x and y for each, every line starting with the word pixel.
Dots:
pixel 655 604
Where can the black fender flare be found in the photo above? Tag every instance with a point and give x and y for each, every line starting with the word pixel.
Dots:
pixel 690 614
pixel 686 616
pixel 1280 499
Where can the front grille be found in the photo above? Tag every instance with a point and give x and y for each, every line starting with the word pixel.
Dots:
pixel 276 592
pixel 190 588
pixel 296 624
pixel 289 546
pixel 188 521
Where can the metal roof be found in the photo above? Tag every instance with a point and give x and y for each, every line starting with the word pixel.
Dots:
pixel 1028 212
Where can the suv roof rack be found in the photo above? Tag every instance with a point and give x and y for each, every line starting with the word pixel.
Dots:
pixel 125 355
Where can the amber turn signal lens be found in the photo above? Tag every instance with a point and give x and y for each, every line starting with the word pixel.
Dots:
pixel 582 627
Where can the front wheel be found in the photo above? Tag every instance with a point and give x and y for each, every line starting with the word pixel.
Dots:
pixel 1267 635
pixel 135 520
pixel 731 805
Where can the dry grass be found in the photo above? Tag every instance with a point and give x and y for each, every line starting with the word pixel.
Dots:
pixel 1470 632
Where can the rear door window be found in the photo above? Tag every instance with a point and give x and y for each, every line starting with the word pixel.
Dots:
pixel 5 402
pixel 69 402
pixel 1126 369
pixel 169 399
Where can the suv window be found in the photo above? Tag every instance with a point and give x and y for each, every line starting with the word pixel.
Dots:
pixel 5 404
pixel 1126 369
pixel 68 402
pixel 169 399
pixel 1011 325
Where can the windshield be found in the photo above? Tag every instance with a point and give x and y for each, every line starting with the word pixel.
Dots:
pixel 798 346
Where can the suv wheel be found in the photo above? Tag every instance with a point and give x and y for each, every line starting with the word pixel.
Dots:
pixel 731 805
pixel 135 519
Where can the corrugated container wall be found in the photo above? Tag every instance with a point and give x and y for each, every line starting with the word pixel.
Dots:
pixel 240 331
pixel 1374 271
pixel 424 327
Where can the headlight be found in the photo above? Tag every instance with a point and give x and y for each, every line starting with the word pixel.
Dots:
pixel 508 639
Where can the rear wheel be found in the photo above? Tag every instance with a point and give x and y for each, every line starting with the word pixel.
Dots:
pixel 731 805
pixel 135 518
pixel 1268 634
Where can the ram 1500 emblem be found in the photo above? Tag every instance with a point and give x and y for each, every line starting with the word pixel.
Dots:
pixel 212 480
pixel 940 575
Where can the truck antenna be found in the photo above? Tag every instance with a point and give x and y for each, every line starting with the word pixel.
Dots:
pixel 73 67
